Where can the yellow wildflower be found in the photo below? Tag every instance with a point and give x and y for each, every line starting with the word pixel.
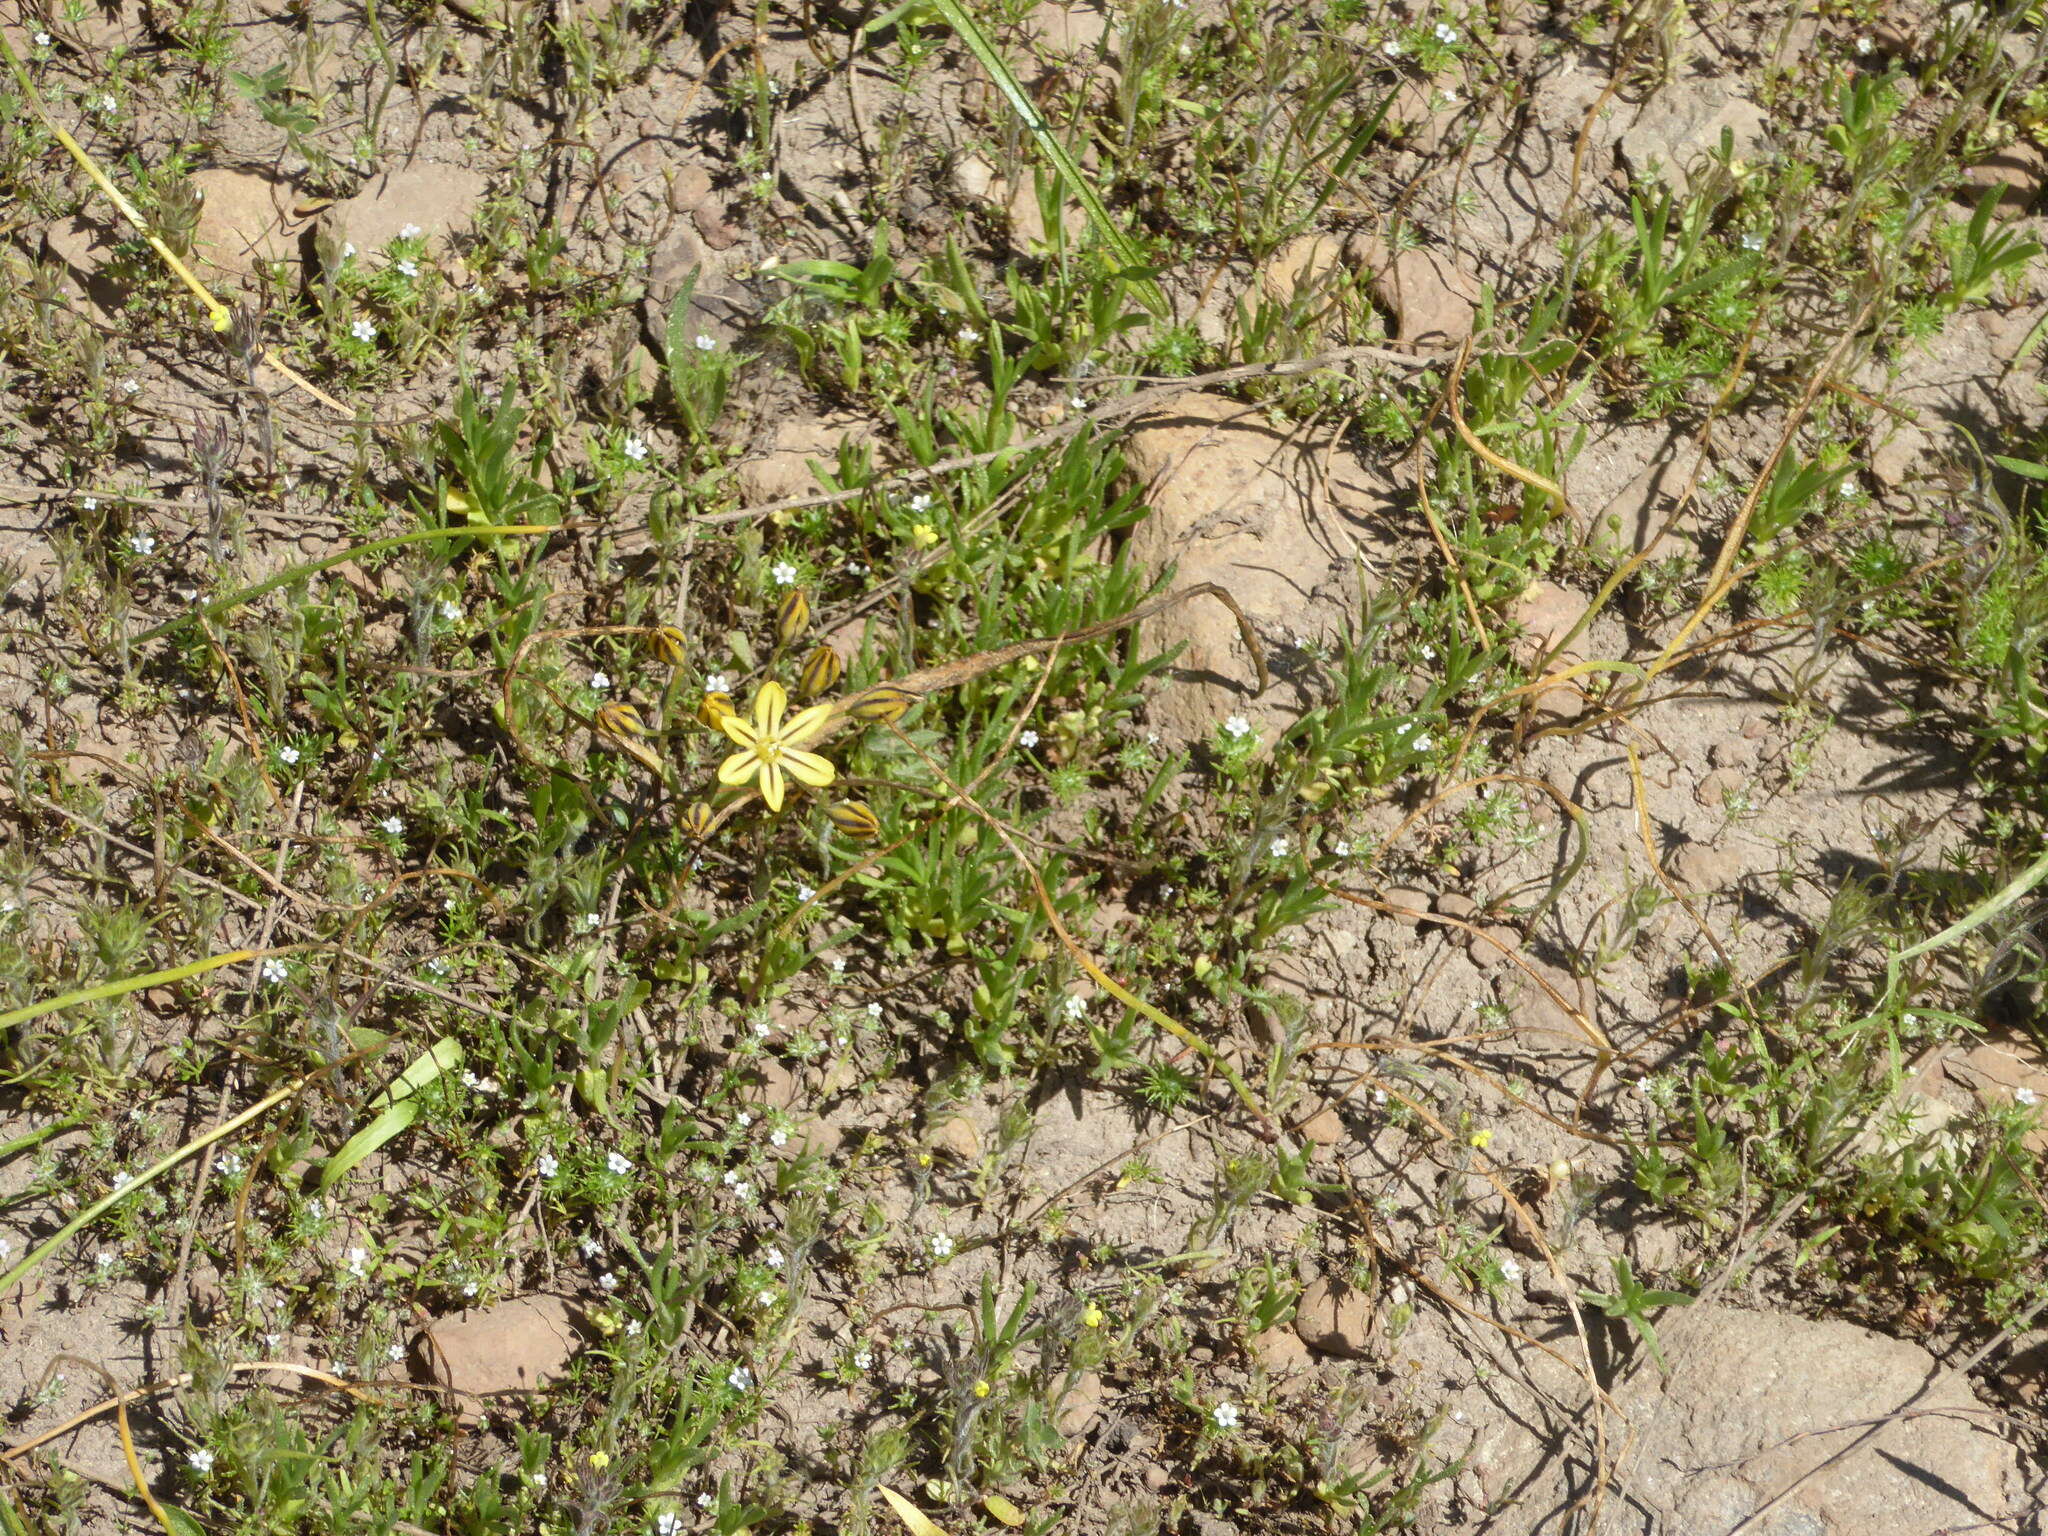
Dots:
pixel 769 746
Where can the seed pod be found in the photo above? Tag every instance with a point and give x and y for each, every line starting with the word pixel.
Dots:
pixel 821 673
pixel 792 617
pixel 697 819
pixel 716 707
pixel 856 821
pixel 667 643
pixel 882 706
pixel 617 725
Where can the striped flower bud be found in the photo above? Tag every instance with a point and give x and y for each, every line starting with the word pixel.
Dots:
pixel 855 820
pixel 882 706
pixel 821 673
pixel 792 617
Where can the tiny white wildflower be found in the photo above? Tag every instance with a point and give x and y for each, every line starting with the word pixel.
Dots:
pixel 718 682
pixel 142 543
pixel 2025 1096
pixel 229 1164
pixel 1028 739
pixel 108 105
pixel 969 335
pixel 668 1523
pixel 942 1246
pixel 356 1261
pixel 1237 727
pixel 773 1258
pixel 608 1282
pixel 1511 1271
pixel 104 1259
pixel 634 449
pixel 1753 241
pixel 618 1163
pixel 450 610
pixel 863 1360
pixel 589 1246
pixel 1226 1416
pixel 1341 848
pixel 409 232
pixel 1864 45
pixel 874 1010
pixel 804 892
pixel 1392 48
pixel 42 39
pixel 591 920
pixel 705 1501
pixel 289 756
pixel 767 1296
pixel 1446 33
pixel 348 250
pixel 275 970
pixel 1279 847
pixel 742 1120
pixel 1076 1006
pixel 408 268
pixel 740 1379
pixel 778 1137
pixel 91 503
pixel 920 502
pixel 200 1461
pixel 706 343
pixel 783 574
pixel 393 825
pixel 548 1165
pixel 600 681
pixel 363 330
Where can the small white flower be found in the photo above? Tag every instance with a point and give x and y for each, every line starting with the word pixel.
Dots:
pixel 393 825
pixel 920 502
pixel 108 105
pixel 1279 847
pixel 200 1461
pixel 1511 1271
pixel 942 1246
pixel 1422 742
pixel 356 1260
pixel 42 39
pixel 469 1290
pixel 1392 48
pixel 394 1353
pixel 874 1010
pixel 1237 727
pixel 1341 848
pixel 142 543
pixel 778 1137
pixel 863 1360
pixel 363 330
pixel 618 1163
pixel 275 970
pixel 742 1120
pixel 773 1258
pixel 717 682
pixel 969 335
pixel 229 1164
pixel 408 268
pixel 1076 1006
pixel 104 1260
pixel 450 610
pixel 123 1178
pixel 2025 1096
pixel 547 1165
pixel 804 892
pixel 634 449
pixel 668 1523
pixel 1446 33
pixel 409 232
pixel 1225 1415
pixel 1028 739
pixel 600 681
pixel 1864 45
pixel 289 756
pixel 1753 241
pixel 608 1282
pixel 91 503
pixel 706 343
pixel 783 574
pixel 589 1246
pixel 743 1191
pixel 591 920
pixel 704 1501
pixel 740 1379
pixel 767 1296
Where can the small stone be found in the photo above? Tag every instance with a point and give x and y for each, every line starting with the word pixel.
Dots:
pixel 1334 1317
pixel 1895 458
pixel 1716 787
pixel 1682 124
pixel 1155 1478
pixel 1705 866
pixel 1324 1128
pixel 1531 999
pixel 517 1346
pixel 1558 702
pixel 1492 944
pixel 957 1138
pixel 1453 904
pixel 2016 172
pixel 1545 613
pixel 1303 265
pixel 1082 1406
pixel 719 232
pixel 438 201
pixel 242 220
pixel 973 179
pixel 1281 1354
pixel 1410 905
pixel 1432 301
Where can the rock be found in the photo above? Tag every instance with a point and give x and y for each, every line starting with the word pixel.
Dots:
pixel 957 1138
pixel 1082 1405
pixel 516 1346
pixel 1410 905
pixel 1705 866
pixel 719 232
pixel 974 179
pixel 2015 172
pixel 1533 1002
pixel 775 1085
pixel 1280 1353
pixel 82 248
pixel 690 185
pixel 1492 945
pixel 1431 300
pixel 245 220
pixel 1559 702
pixel 1640 509
pixel 1685 121
pixel 2024 1372
pixel 674 262
pixel 1155 1478
pixel 1545 613
pixel 784 471
pixel 1233 501
pixel 2006 1068
pixel 1461 907
pixel 1027 218
pixel 1054 31
pixel 1324 1128
pixel 1896 457
pixel 1760 1404
pixel 438 201
pixel 1715 788
pixel 1302 266
pixel 1335 1318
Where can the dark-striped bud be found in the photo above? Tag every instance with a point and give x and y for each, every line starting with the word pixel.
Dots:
pixel 821 673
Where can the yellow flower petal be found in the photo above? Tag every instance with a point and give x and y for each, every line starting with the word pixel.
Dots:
pixel 771 785
pixel 805 724
pixel 769 705
pixel 738 729
pixel 737 769
pixel 807 768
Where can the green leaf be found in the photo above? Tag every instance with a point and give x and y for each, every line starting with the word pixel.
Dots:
pixel 396 1108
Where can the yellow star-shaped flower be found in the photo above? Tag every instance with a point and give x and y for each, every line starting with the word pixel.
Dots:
pixel 768 746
